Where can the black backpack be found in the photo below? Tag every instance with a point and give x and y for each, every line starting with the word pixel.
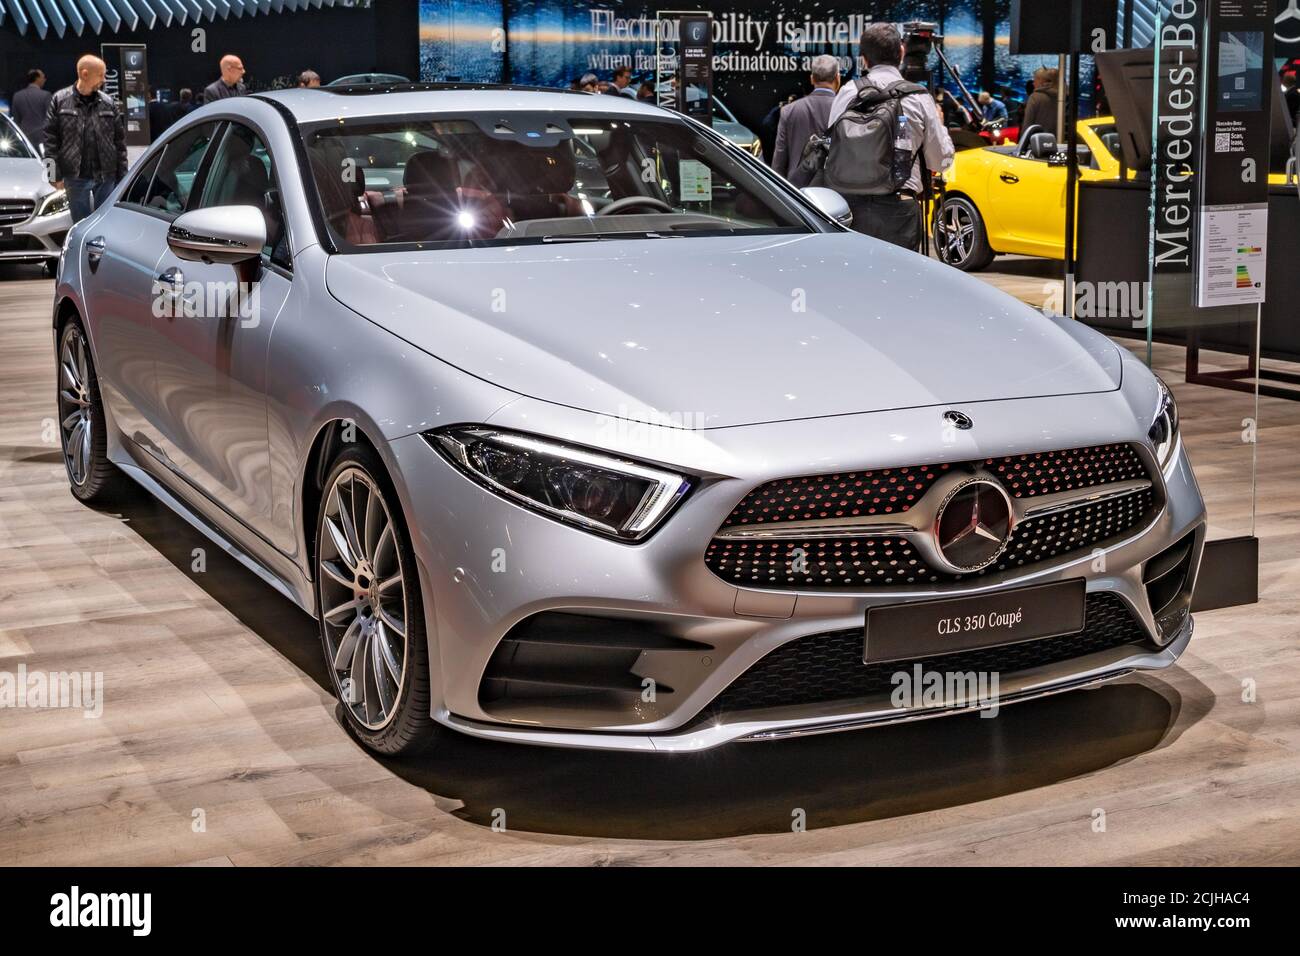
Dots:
pixel 861 158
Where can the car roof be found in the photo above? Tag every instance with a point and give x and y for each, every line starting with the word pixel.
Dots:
pixel 334 102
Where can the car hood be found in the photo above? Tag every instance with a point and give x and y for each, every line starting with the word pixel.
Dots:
pixel 723 331
pixel 23 179
pixel 738 134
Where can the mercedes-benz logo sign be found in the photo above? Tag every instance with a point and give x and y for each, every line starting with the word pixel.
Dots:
pixel 959 420
pixel 1287 29
pixel 973 525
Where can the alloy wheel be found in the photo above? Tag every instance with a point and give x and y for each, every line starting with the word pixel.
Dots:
pixel 363 598
pixel 957 231
pixel 75 414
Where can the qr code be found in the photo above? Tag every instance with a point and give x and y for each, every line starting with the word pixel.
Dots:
pixel 1223 142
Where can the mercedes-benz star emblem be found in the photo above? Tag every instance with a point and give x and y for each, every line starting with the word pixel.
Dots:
pixel 973 525
pixel 1287 29
pixel 959 420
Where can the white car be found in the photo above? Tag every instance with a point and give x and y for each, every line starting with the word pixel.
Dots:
pixel 34 217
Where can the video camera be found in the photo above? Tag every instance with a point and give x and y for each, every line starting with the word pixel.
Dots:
pixel 919 39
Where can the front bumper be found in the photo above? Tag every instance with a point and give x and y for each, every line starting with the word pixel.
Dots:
pixel 488 565
pixel 39 239
pixel 872 712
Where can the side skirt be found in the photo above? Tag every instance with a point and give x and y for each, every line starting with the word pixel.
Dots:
pixel 298 591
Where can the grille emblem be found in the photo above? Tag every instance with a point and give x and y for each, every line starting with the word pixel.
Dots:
pixel 973 525
pixel 958 420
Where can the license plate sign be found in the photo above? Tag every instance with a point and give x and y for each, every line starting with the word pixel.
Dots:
pixel 943 626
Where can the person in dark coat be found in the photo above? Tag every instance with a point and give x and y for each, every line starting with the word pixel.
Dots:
pixel 85 135
pixel 1040 109
pixel 30 106
pixel 805 117
pixel 231 82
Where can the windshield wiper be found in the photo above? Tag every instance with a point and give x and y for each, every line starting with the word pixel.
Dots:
pixel 602 237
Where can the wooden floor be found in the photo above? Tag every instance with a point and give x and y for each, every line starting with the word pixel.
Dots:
pixel 218 743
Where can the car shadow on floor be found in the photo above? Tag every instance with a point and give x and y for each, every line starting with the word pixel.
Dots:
pixel 742 788
pixel 821 781
pixel 1028 267
pixel 258 606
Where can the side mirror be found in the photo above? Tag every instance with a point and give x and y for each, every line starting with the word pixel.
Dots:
pixel 830 203
pixel 220 234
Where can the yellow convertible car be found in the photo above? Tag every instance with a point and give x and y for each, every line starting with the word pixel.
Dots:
pixel 1010 199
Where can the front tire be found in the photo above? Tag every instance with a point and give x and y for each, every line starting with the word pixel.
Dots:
pixel 960 237
pixel 369 609
pixel 83 429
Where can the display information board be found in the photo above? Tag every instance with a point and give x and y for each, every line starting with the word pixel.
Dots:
pixel 695 69
pixel 126 79
pixel 1233 220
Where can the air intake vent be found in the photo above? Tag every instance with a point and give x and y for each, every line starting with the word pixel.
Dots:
pixel 559 655
pixel 1168 588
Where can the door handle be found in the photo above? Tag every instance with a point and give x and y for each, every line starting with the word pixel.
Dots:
pixel 1009 178
pixel 171 283
pixel 94 251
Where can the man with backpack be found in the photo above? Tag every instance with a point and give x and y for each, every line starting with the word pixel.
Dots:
pixel 884 131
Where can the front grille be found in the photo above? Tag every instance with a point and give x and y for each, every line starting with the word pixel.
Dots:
pixel 14 211
pixel 894 490
pixel 828 667
pixel 870 561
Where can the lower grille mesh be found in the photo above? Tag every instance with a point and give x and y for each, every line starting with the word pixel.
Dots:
pixel 828 667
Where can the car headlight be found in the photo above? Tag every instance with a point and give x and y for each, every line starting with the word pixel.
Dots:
pixel 53 204
pixel 1164 429
pixel 593 490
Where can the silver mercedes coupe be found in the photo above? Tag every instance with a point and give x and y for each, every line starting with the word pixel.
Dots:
pixel 34 216
pixel 573 424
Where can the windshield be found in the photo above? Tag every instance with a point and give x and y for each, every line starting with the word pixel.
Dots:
pixel 12 146
pixel 508 178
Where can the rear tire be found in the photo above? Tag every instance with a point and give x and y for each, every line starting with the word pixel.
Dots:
pixel 83 429
pixel 369 609
pixel 960 238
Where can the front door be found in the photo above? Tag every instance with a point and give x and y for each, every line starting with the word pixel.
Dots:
pixel 1029 194
pixel 122 250
pixel 211 367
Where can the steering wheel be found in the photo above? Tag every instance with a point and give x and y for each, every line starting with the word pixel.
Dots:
pixel 634 202
pixel 1025 134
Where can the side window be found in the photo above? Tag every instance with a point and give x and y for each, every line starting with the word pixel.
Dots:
pixel 135 193
pixel 242 174
pixel 170 189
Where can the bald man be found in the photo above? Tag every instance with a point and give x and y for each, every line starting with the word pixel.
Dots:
pixel 231 82
pixel 85 136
